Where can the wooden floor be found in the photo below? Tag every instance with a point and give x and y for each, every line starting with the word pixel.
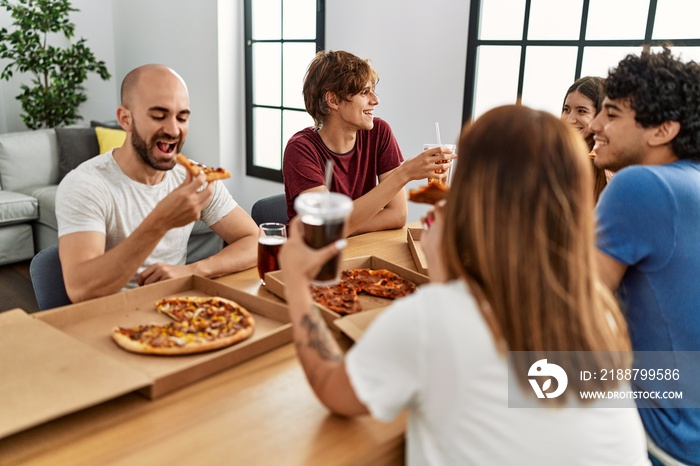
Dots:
pixel 16 288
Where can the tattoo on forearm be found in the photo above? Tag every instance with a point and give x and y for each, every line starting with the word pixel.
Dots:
pixel 319 338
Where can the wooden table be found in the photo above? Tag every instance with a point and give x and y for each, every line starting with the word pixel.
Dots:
pixel 260 412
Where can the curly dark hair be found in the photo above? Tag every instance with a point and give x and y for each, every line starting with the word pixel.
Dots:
pixel 661 88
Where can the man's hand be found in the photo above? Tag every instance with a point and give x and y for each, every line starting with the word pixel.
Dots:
pixel 185 204
pixel 159 271
pixel 424 164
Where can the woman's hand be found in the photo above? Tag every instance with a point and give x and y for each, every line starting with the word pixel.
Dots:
pixel 302 261
pixel 431 239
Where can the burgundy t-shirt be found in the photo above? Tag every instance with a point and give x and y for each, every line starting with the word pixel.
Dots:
pixel 354 173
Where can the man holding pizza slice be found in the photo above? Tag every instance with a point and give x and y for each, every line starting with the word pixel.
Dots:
pixel 124 218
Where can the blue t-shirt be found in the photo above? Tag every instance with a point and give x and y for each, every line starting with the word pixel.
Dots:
pixel 649 219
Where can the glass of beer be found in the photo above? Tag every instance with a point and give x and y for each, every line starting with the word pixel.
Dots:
pixel 271 237
pixel 444 181
pixel 323 215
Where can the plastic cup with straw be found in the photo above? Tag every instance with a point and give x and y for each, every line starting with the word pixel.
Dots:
pixel 439 144
pixel 323 215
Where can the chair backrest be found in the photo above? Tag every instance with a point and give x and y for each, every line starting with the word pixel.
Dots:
pixel 47 279
pixel 270 209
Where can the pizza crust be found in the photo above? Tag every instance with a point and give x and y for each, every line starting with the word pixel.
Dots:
pixel 140 347
pixel 198 319
pixel 169 306
pixel 194 168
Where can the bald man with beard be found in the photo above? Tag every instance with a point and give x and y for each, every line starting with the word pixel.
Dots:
pixel 124 217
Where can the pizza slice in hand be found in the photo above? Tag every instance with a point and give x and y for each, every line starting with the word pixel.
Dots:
pixel 194 168
pixel 431 193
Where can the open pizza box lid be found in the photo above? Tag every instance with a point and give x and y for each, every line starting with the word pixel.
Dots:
pixel 69 360
pixel 274 282
pixel 47 373
pixel 413 236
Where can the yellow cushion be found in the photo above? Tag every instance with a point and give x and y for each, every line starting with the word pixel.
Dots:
pixel 109 138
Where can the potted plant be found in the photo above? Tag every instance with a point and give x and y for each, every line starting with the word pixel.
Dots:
pixel 55 93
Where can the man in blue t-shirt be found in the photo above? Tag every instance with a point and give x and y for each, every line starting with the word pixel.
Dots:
pixel 649 221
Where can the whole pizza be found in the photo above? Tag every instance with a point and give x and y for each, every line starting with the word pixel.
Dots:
pixel 198 324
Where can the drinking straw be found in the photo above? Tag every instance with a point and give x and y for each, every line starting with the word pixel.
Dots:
pixel 328 175
pixel 437 133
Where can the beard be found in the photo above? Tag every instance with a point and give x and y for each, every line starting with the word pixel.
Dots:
pixel 619 159
pixel 145 150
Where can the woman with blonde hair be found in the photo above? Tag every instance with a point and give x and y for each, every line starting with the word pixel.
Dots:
pixel 512 266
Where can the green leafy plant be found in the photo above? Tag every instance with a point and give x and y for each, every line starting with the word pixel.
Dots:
pixel 56 90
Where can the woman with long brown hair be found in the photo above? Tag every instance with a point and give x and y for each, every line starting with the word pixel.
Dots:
pixel 511 260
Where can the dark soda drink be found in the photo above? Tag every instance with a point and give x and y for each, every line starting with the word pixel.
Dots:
pixel 323 216
pixel 320 233
pixel 268 249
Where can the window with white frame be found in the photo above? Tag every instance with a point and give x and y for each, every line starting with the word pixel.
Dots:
pixel 281 39
pixel 531 51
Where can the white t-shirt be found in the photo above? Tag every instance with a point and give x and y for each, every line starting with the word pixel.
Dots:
pixel 99 196
pixel 433 354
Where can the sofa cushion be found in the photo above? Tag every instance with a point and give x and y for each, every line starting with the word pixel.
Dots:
pixel 75 146
pixel 28 158
pixel 17 208
pixel 109 138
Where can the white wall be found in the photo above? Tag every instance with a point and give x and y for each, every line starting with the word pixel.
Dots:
pixel 417 46
pixel 181 34
pixel 93 22
pixel 419 49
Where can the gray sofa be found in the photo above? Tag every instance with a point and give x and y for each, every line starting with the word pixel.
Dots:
pixel 32 163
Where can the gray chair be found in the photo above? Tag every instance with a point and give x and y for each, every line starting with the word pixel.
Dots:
pixel 270 209
pixel 47 279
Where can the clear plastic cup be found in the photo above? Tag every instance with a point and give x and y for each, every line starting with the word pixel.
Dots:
pixel 323 216
pixel 445 181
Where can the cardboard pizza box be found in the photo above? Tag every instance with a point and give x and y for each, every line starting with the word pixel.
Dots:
pixel 91 323
pixel 355 325
pixel 413 236
pixel 274 282
pixel 47 373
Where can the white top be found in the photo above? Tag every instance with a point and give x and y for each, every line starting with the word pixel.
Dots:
pixel 433 354
pixel 99 196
